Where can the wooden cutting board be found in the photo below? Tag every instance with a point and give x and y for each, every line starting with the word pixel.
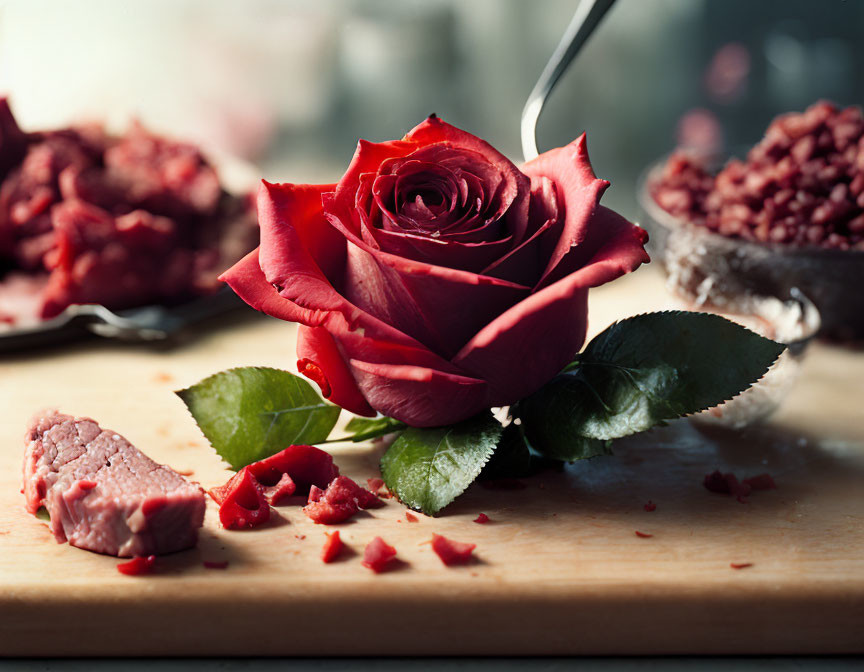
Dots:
pixel 560 569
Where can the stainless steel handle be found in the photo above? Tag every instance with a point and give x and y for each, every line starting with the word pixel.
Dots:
pixel 588 15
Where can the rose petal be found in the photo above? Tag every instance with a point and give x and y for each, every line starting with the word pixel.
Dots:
pixel 548 328
pixel 419 396
pixel 579 190
pixel 318 346
pixel 434 130
pixel 472 257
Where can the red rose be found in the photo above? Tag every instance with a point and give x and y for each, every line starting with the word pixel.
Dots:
pixel 436 279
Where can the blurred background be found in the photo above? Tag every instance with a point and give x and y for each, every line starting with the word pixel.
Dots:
pixel 290 85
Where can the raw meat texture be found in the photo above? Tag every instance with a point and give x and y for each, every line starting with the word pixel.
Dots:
pixel 306 465
pixel 122 221
pixel 105 495
pixel 242 502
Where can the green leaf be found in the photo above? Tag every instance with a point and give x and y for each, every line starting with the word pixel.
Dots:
pixel 42 514
pixel 363 429
pixel 250 413
pixel 640 372
pixel 429 468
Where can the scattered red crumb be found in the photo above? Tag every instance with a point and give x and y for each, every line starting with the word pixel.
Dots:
pixel 375 484
pixel 410 517
pixel 643 535
pixel 760 482
pixel 481 518
pixel 241 501
pixel 341 500
pixel 301 537
pixel 504 484
pixel 650 506
pixel 163 377
pixel 332 546
pixel 214 564
pixel 740 565
pixel 137 566
pixel 378 555
pixel 185 472
pixel 726 484
pixel 285 487
pixel 452 552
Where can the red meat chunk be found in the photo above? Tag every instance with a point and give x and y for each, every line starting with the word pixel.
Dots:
pixel 452 552
pixel 378 555
pixel 306 465
pixel 332 547
pixel 285 487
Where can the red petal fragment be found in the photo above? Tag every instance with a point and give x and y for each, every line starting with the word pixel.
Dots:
pixel 137 566
pixel 341 500
pixel 306 465
pixel 740 565
pixel 760 482
pixel 315 373
pixel 332 547
pixel 482 518
pixel 244 505
pixel 650 506
pixel 375 484
pixel 411 518
pixel 378 555
pixel 214 564
pixel 276 493
pixel 643 535
pixel 452 552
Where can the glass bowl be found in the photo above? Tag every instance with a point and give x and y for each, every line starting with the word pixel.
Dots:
pixel 707 267
pixel 792 320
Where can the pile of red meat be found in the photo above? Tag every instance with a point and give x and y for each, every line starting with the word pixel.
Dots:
pixel 802 185
pixel 87 217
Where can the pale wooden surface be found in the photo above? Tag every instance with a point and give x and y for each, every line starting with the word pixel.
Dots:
pixel 561 570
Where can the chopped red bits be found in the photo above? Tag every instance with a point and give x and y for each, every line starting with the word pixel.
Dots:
pixel 214 564
pixel 452 552
pixel 341 500
pixel 332 547
pixel 760 482
pixel 375 484
pixel 650 506
pixel 482 518
pixel 378 555
pixel 643 535
pixel 306 465
pixel 137 566
pixel 241 502
pixel 740 565
pixel 410 517
pixel 285 487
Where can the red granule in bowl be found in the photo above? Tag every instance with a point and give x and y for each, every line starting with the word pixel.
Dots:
pixel 332 546
pixel 452 552
pixel 378 555
pixel 138 565
pixel 802 185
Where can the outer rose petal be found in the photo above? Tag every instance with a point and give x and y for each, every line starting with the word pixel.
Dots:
pixel 578 189
pixel 317 345
pixel 418 396
pixel 547 329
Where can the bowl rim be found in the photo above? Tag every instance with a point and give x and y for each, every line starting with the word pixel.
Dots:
pixel 671 222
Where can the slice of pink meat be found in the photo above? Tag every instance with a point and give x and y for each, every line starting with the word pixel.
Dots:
pixel 105 495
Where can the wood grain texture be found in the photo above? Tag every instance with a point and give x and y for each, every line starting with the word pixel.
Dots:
pixel 560 569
